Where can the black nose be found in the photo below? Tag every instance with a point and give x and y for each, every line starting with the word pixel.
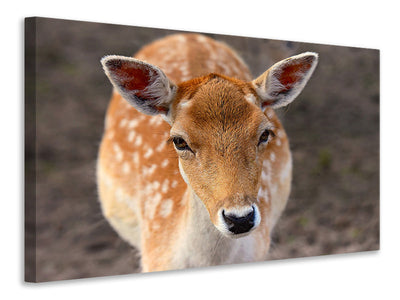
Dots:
pixel 237 224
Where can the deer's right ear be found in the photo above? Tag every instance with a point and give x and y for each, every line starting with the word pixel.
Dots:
pixel 143 85
pixel 284 81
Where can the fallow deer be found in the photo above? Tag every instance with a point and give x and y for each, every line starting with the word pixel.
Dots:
pixel 194 168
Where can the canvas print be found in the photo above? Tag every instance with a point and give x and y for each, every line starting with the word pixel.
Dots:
pixel 156 150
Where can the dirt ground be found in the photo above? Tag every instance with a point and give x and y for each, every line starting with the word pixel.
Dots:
pixel 333 128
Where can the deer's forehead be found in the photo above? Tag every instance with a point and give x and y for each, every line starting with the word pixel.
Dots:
pixel 219 100
pixel 222 117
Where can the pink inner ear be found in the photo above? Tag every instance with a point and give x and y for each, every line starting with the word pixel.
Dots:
pixel 292 73
pixel 144 86
pixel 132 78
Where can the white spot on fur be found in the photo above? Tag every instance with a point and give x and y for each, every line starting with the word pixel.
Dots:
pixel 174 184
pixel 109 121
pixel 286 171
pixel 156 185
pixel 156 121
pixel 128 106
pixel 165 186
pixel 161 146
pixel 278 142
pixel 272 156
pixel 107 179
pixel 166 208
pixel 133 123
pixel 264 176
pixel 131 136
pixel 185 103
pixel 201 38
pixel 184 69
pixel 136 158
pixel 250 98
pixel 119 156
pixel 151 204
pixel 148 171
pixel 266 173
pixel 139 141
pixel 123 122
pixel 111 134
pixel 180 38
pixel 151 188
pixel 148 153
pixel 122 196
pixel 165 163
pixel 263 194
pixel 118 152
pixel 126 168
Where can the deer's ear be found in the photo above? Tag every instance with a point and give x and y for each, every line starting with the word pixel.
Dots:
pixel 284 81
pixel 143 85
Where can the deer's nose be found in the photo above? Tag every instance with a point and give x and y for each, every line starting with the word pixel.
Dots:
pixel 239 223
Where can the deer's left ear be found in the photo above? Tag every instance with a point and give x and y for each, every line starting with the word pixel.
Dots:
pixel 284 81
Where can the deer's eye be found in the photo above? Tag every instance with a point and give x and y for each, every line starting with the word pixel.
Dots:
pixel 180 144
pixel 264 137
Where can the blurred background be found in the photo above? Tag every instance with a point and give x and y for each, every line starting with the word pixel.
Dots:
pixel 333 129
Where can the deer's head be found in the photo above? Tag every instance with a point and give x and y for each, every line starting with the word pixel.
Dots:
pixel 219 127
